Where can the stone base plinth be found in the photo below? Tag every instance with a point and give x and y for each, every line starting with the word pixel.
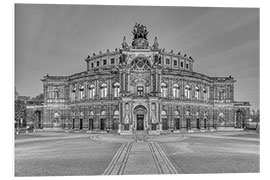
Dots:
pixel 126 133
pixel 154 132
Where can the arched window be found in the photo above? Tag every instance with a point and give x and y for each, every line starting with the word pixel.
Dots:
pixel 81 91
pixel 56 117
pixel 116 113
pixel 164 90
pixel 163 113
pixel 116 89
pixel 91 91
pixel 91 113
pixel 103 90
pixel 197 90
pixel 176 91
pixel 103 113
pixel 187 91
pixel 176 113
pixel 205 95
pixel 56 93
pixel 73 93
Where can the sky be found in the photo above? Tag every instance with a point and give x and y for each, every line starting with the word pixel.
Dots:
pixel 55 40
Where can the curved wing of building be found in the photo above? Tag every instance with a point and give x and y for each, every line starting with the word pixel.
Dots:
pixel 141 87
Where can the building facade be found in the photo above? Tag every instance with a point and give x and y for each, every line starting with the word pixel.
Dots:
pixel 140 87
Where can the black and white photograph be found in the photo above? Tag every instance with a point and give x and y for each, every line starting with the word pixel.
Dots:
pixel 102 90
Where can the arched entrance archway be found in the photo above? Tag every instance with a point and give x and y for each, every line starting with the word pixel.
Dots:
pixel 140 115
pixel 239 119
pixel 38 123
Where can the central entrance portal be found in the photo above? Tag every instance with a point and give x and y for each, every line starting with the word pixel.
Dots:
pixel 140 118
pixel 140 113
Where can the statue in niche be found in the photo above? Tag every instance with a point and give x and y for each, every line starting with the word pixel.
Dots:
pixel 157 59
pixel 123 59
pixel 126 121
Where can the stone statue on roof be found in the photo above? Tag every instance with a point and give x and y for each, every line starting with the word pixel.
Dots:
pixel 139 31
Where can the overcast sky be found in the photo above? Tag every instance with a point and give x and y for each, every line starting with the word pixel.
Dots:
pixel 55 40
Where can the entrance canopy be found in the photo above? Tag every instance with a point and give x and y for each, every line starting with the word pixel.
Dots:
pixel 140 109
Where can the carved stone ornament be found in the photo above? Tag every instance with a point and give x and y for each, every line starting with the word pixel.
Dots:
pixel 140 37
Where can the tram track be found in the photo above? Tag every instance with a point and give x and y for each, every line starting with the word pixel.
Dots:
pixel 159 159
pixel 118 163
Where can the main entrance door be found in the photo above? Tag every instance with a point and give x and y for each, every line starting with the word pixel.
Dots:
pixel 140 119
pixel 140 114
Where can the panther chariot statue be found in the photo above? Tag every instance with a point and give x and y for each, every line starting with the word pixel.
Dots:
pixel 140 37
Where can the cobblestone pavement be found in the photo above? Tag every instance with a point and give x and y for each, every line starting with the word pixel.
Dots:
pixel 60 154
pixel 140 158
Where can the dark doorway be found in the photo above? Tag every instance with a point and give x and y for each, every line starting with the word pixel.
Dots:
pixel 165 124
pixel 91 124
pixel 73 123
pixel 115 124
pixel 102 124
pixel 177 123
pixel 140 118
pixel 38 122
pixel 198 123
pixel 81 123
pixel 240 119
pixel 188 124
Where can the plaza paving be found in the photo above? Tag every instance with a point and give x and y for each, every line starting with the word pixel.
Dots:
pixel 75 154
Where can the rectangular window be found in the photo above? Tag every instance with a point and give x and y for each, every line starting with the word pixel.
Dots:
pixel 97 63
pixel 167 61
pixel 104 62
pixel 140 90
pixel 187 65
pixel 175 62
pixel 182 64
pixel 92 65
pixel 112 61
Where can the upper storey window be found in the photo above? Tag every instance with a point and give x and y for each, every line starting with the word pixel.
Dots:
pixel 176 91
pixel 221 94
pixel 81 91
pixel 97 63
pixel 205 95
pixel 167 61
pixel 73 93
pixel 187 66
pixel 197 90
pixel 112 60
pixel 140 90
pixel 104 62
pixel 103 90
pixel 175 62
pixel 91 91
pixel 182 64
pixel 92 65
pixel 164 90
pixel 187 91
pixel 56 93
pixel 116 89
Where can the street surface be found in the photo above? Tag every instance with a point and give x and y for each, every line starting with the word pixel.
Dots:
pixel 78 154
